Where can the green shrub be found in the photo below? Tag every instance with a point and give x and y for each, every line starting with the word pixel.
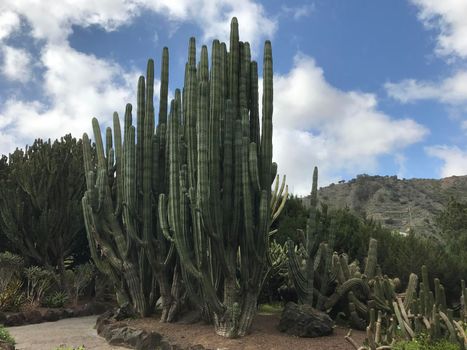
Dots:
pixel 39 281
pixel 12 297
pixel 423 344
pixel 10 267
pixel 78 279
pixel 6 336
pixel 55 300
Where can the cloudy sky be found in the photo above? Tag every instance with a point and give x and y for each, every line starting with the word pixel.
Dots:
pixel 361 86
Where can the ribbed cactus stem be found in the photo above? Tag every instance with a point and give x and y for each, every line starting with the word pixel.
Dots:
pixel 119 206
pixel 410 292
pixel 371 261
pixel 220 206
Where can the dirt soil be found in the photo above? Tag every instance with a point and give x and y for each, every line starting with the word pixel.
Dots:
pixel 70 332
pixel 264 336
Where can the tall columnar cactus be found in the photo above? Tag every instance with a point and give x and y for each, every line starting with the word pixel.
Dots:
pixel 120 205
pixel 304 280
pixel 220 206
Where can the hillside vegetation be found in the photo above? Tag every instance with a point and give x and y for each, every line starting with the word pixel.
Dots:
pixel 398 204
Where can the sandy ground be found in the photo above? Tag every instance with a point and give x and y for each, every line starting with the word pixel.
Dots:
pixel 264 336
pixel 69 331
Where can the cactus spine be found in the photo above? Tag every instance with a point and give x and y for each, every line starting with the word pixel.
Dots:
pixel 220 206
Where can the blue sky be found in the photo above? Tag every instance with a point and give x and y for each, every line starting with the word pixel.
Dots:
pixel 377 87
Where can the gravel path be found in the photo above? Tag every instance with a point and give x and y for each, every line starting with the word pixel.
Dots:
pixel 70 331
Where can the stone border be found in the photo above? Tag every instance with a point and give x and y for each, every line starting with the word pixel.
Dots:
pixel 51 315
pixel 116 331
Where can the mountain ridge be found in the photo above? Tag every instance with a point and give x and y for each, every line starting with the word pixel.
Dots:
pixel 398 204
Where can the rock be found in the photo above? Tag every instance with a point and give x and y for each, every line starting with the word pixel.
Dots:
pixel 6 346
pixel 68 313
pixel 103 320
pixel 148 340
pixel 108 329
pixel 124 312
pixel 51 315
pixel 134 338
pixel 81 311
pixel 64 313
pixel 305 321
pixel 32 316
pixel 16 319
pixel 101 325
pixel 2 318
pixel 122 336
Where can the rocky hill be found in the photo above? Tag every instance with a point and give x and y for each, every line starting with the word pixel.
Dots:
pixel 398 204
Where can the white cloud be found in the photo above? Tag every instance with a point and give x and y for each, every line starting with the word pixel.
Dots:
pixel 452 90
pixel 455 159
pixel 298 12
pixel 449 17
pixel 9 22
pixel 93 87
pixel 16 65
pixel 54 23
pixel 333 129
pixel 213 17
pixel 78 86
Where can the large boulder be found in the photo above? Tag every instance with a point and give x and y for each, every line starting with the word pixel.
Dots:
pixel 122 335
pixel 305 321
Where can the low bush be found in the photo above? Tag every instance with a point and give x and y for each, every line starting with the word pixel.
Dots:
pixel 12 296
pixel 56 299
pixel 6 336
pixel 39 281
pixel 78 280
pixel 422 344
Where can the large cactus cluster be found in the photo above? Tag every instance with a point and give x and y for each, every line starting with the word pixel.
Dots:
pixel 418 311
pixel 120 207
pixel 220 206
pixel 199 184
pixel 327 281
